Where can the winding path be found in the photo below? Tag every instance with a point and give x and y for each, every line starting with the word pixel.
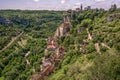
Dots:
pixel 13 39
pixel 27 54
pixel 89 36
pixel 105 45
pixel 97 47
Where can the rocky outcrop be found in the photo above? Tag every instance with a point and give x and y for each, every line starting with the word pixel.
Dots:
pixel 63 30
pixel 112 17
pixel 52 45
pixel 49 64
pixel 5 21
pixel 89 35
pixel 97 47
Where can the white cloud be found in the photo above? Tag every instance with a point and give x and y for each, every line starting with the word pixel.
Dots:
pixel 62 1
pixel 99 0
pixel 36 0
pixel 78 4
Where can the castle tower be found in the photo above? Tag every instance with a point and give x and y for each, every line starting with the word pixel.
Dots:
pixel 81 7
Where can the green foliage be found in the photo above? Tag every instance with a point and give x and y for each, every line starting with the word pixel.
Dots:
pixel 86 22
pixel 2 78
pixel 90 47
pixel 106 67
pixel 82 61
pixel 68 40
pixel 36 27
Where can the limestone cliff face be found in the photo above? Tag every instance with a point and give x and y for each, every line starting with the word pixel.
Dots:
pixel 48 65
pixel 62 30
pixel 57 33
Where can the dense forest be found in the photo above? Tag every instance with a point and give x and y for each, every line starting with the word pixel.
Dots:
pixel 92 47
pixel 23 39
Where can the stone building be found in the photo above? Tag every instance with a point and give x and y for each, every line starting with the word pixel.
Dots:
pixel 45 63
pixel 80 9
pixel 52 45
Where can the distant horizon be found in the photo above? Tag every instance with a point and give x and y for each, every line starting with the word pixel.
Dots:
pixel 53 9
pixel 56 5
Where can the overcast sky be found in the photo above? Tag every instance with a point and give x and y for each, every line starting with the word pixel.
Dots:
pixel 55 4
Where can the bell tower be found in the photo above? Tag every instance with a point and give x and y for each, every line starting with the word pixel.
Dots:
pixel 81 8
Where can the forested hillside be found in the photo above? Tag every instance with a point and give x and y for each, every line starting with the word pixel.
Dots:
pixel 85 45
pixel 23 37
pixel 92 47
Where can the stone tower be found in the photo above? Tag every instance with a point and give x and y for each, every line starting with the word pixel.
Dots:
pixel 81 8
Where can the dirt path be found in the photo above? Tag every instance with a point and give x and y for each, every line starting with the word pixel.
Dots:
pixel 105 45
pixel 27 61
pixel 13 39
pixel 89 35
pixel 97 47
pixel 27 54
